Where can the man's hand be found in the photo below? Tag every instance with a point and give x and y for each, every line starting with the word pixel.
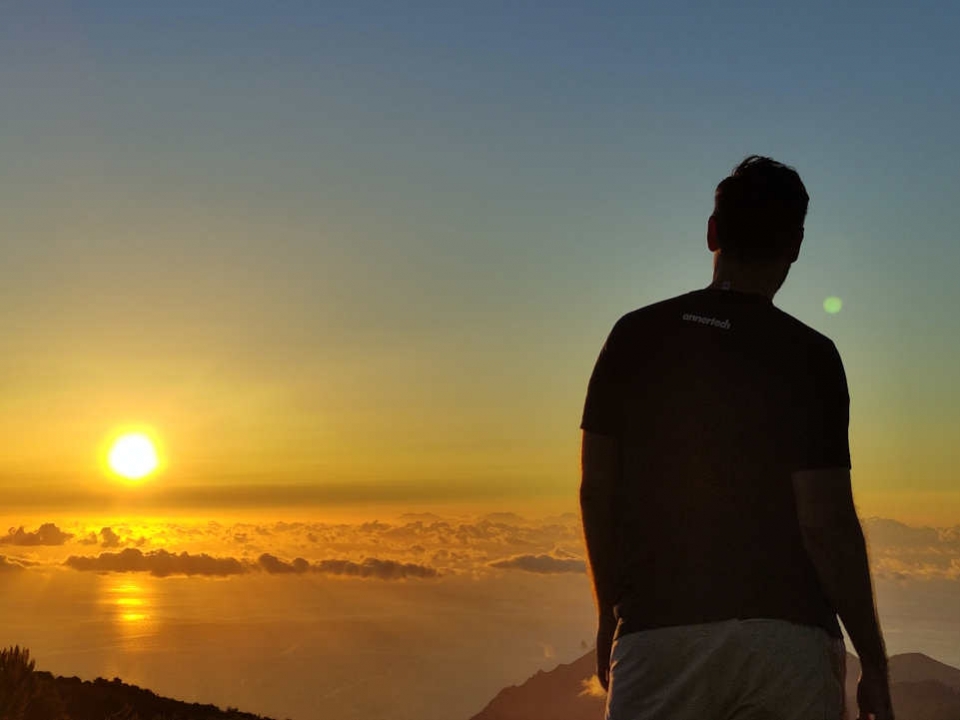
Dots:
pixel 873 694
pixel 605 630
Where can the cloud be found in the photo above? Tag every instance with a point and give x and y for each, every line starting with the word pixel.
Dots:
pixel 46 534
pixel 108 538
pixel 903 552
pixel 415 545
pixel 544 564
pixel 422 516
pixel 463 545
pixel 591 687
pixel 375 568
pixel 7 565
pixel 504 518
pixel 275 566
pixel 369 568
pixel 159 563
pixel 890 533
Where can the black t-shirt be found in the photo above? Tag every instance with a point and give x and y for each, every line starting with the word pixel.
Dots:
pixel 716 398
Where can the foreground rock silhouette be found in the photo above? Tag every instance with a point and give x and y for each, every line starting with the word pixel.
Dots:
pixel 30 694
pixel 922 688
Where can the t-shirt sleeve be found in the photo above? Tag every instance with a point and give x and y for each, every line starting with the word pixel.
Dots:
pixel 603 409
pixel 823 441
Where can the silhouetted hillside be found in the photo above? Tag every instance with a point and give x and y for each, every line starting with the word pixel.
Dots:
pixel 922 689
pixel 914 667
pixel 561 694
pixel 30 694
pixel 925 700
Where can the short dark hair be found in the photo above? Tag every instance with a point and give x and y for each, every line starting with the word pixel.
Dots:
pixel 754 208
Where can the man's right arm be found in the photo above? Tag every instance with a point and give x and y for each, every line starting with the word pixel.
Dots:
pixel 834 542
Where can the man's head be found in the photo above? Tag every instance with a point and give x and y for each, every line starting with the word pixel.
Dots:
pixel 758 213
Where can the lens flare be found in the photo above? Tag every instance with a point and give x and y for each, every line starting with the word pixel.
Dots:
pixel 832 305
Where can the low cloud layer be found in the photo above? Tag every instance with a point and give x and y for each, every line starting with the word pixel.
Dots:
pixel 159 563
pixel 904 552
pixel 420 545
pixel 544 564
pixel 46 534
pixel 368 568
pixel 273 565
pixel 373 567
pixel 8 565
pixel 412 542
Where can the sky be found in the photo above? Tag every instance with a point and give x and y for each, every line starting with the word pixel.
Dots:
pixel 360 245
pixel 346 262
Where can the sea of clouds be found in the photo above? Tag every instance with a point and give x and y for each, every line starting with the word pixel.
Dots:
pixel 416 546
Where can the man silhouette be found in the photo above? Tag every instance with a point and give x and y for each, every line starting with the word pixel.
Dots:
pixel 721 532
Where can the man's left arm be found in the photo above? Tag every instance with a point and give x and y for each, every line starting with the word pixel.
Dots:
pixel 600 473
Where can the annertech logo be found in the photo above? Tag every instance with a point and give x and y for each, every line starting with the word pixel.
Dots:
pixel 713 322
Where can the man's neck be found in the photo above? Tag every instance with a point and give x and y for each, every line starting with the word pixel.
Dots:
pixel 756 278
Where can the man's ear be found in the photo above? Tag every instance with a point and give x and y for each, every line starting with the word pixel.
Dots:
pixel 795 242
pixel 712 243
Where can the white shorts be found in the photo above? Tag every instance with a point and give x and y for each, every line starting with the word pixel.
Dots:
pixel 730 670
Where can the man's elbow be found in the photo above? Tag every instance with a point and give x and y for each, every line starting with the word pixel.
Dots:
pixel 831 542
pixel 831 523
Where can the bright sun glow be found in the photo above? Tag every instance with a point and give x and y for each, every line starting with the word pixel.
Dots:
pixel 133 456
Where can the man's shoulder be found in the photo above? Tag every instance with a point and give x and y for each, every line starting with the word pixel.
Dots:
pixel 651 313
pixel 813 339
pixel 779 323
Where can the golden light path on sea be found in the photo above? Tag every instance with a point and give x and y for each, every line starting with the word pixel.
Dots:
pixel 130 606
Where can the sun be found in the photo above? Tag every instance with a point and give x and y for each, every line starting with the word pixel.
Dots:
pixel 133 456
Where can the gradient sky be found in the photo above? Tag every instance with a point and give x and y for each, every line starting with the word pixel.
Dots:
pixel 379 245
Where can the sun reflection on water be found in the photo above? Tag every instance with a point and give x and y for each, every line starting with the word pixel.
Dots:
pixel 129 604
